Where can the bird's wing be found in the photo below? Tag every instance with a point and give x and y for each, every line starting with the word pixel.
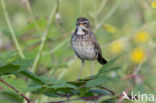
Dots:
pixel 95 43
pixel 100 59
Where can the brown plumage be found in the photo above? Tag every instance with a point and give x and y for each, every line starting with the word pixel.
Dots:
pixel 84 42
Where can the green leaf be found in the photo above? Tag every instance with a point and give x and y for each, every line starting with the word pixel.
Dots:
pixel 108 67
pixel 24 63
pixel 62 84
pixel 96 82
pixel 51 87
pixel 106 70
pixel 32 88
pixel 83 91
pixel 101 76
pixel 7 57
pixel 33 77
pixel 10 68
pixel 15 66
pixel 80 82
pixel 55 84
pixel 110 62
pixel 51 94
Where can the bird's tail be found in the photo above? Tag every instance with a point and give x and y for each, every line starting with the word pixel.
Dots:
pixel 101 60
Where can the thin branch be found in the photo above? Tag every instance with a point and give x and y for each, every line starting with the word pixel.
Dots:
pixel 12 30
pixel 137 69
pixel 63 42
pixel 81 98
pixel 57 47
pixel 81 3
pixel 109 14
pixel 43 41
pixel 44 38
pixel 128 89
pixel 17 91
pixel 100 8
pixel 109 90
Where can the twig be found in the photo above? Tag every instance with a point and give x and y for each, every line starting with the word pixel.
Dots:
pixel 56 48
pixel 137 69
pixel 83 98
pixel 63 42
pixel 17 91
pixel 109 14
pixel 100 8
pixel 44 38
pixel 12 30
pixel 112 92
pixel 43 41
pixel 133 76
pixel 128 89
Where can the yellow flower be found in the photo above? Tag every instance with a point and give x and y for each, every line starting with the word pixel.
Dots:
pixel 109 28
pixel 153 4
pixel 116 47
pixel 141 37
pixel 138 55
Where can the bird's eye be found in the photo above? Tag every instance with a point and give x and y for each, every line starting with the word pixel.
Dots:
pixel 84 23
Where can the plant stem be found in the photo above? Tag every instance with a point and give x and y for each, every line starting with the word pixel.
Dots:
pixel 94 5
pixel 109 90
pixel 87 98
pixel 17 91
pixel 81 3
pixel 31 14
pixel 100 8
pixel 44 38
pixel 57 47
pixel 109 14
pixel 12 30
pixel 43 41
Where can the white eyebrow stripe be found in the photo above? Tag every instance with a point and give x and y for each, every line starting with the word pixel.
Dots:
pixel 84 22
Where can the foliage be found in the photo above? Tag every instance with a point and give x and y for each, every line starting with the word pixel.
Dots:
pixel 52 87
pixel 37 63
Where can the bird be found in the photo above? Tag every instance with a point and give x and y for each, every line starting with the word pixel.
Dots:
pixel 85 45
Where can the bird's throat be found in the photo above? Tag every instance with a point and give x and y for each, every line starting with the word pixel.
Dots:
pixel 80 31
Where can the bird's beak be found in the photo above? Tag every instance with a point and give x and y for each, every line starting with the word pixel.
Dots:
pixel 81 24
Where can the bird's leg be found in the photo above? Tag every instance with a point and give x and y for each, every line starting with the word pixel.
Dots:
pixel 82 66
pixel 92 69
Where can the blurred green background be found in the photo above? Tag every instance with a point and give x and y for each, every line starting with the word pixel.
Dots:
pixel 119 25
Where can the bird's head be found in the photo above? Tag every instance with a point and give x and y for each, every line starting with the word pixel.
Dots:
pixel 83 23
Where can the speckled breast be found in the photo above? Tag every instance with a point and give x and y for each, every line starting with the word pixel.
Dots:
pixel 83 47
